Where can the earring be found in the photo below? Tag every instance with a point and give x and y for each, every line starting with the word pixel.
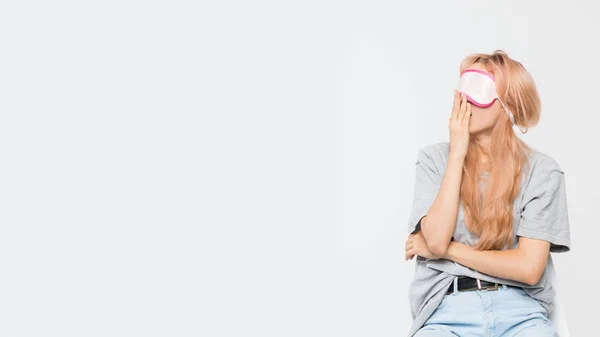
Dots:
pixel 523 132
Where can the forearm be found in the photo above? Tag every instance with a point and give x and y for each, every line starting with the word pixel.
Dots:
pixel 509 264
pixel 438 226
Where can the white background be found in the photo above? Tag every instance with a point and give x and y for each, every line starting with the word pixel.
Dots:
pixel 246 168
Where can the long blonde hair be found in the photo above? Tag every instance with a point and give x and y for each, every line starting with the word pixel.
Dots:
pixel 491 218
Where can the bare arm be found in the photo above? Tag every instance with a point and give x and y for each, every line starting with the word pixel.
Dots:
pixel 526 263
pixel 439 223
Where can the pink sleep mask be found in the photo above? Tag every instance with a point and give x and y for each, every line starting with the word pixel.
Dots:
pixel 479 88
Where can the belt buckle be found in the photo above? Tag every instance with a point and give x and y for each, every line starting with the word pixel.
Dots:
pixel 495 287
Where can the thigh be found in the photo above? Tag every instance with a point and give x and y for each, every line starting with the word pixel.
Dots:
pixel 461 314
pixel 519 315
pixel 533 328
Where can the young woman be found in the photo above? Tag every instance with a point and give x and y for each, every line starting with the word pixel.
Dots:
pixel 487 212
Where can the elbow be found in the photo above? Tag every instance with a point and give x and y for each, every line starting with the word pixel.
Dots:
pixel 438 248
pixel 436 245
pixel 533 275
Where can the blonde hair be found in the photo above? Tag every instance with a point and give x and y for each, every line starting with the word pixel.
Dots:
pixel 491 218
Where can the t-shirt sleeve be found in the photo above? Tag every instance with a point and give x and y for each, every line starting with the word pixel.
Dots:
pixel 427 185
pixel 544 214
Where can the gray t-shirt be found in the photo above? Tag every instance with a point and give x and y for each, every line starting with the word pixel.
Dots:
pixel 540 212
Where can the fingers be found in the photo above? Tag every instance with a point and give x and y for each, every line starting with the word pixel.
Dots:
pixel 409 246
pixel 455 106
pixel 467 115
pixel 409 255
pixel 463 107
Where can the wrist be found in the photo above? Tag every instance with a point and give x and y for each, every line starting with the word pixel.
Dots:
pixel 458 157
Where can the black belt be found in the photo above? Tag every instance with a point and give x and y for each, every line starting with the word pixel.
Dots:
pixel 470 284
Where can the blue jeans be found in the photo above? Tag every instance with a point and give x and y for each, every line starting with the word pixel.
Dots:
pixel 505 312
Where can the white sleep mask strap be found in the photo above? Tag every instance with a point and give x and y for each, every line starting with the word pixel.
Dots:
pixel 508 112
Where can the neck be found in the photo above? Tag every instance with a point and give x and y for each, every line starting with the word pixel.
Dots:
pixel 484 145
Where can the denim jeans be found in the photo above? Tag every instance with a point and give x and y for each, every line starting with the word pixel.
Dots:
pixel 506 312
